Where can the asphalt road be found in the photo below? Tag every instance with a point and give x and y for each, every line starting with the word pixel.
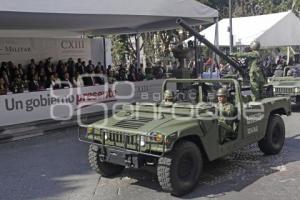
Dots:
pixel 55 167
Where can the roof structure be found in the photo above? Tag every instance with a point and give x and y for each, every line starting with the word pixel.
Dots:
pixel 271 30
pixel 100 17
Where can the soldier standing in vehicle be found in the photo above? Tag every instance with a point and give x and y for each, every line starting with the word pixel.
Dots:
pixel 226 112
pixel 257 79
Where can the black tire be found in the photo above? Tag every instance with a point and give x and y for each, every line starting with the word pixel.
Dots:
pixel 179 171
pixel 104 168
pixel 274 139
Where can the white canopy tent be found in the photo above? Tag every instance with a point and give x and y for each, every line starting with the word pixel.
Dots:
pixel 272 30
pixel 101 16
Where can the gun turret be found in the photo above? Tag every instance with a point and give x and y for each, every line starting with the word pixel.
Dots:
pixel 235 64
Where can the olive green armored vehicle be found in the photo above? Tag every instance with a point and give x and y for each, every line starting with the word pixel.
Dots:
pixel 177 136
pixel 191 124
pixel 288 85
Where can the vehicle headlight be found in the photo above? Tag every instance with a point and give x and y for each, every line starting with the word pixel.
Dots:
pixel 297 90
pixel 90 130
pixel 157 137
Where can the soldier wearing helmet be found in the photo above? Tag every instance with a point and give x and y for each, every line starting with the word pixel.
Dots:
pixel 257 79
pixel 290 73
pixel 278 71
pixel 255 46
pixel 168 97
pixel 226 113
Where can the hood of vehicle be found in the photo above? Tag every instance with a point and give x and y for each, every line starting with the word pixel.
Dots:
pixel 145 121
pixel 286 82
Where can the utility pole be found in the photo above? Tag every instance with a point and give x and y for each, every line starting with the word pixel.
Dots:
pixel 230 27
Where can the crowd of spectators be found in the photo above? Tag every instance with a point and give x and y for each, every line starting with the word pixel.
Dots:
pixel 47 74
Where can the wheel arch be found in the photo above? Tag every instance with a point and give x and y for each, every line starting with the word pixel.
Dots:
pixel 279 111
pixel 196 140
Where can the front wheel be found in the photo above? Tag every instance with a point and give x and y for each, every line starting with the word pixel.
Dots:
pixel 104 168
pixel 180 170
pixel 274 139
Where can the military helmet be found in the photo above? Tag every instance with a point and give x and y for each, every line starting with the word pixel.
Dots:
pixel 279 67
pixel 222 92
pixel 168 95
pixel 255 45
pixel 290 73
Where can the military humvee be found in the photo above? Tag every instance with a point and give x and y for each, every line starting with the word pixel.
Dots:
pixel 177 137
pixel 287 85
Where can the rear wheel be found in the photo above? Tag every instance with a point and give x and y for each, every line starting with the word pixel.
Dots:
pixel 104 168
pixel 274 139
pixel 179 171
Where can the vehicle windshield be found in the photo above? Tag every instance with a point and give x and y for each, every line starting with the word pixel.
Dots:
pixel 194 92
pixel 292 71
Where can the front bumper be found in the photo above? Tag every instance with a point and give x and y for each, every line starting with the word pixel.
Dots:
pixel 121 157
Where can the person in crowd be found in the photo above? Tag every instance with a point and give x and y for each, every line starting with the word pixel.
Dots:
pixel 34 84
pixel 20 70
pixel 79 66
pixel 110 76
pixel 59 69
pixel 66 83
pixel 3 87
pixel 140 76
pixel 17 85
pixel 57 80
pixel 132 76
pixel 103 69
pixel 98 70
pixel 12 70
pixel 77 80
pixel 71 68
pixel 48 69
pixel 84 67
pixel 31 74
pixel 5 73
pixel 25 82
pixel 48 61
pixel 109 69
pixel 63 72
pixel 148 73
pixel 43 82
pixel 122 73
pixel 53 83
pixel 90 67
pixel 41 69
pixel 31 65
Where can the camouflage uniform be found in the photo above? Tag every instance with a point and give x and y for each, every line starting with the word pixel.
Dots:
pixel 257 79
pixel 226 113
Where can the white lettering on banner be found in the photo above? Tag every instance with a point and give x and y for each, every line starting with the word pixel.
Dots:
pixel 33 106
